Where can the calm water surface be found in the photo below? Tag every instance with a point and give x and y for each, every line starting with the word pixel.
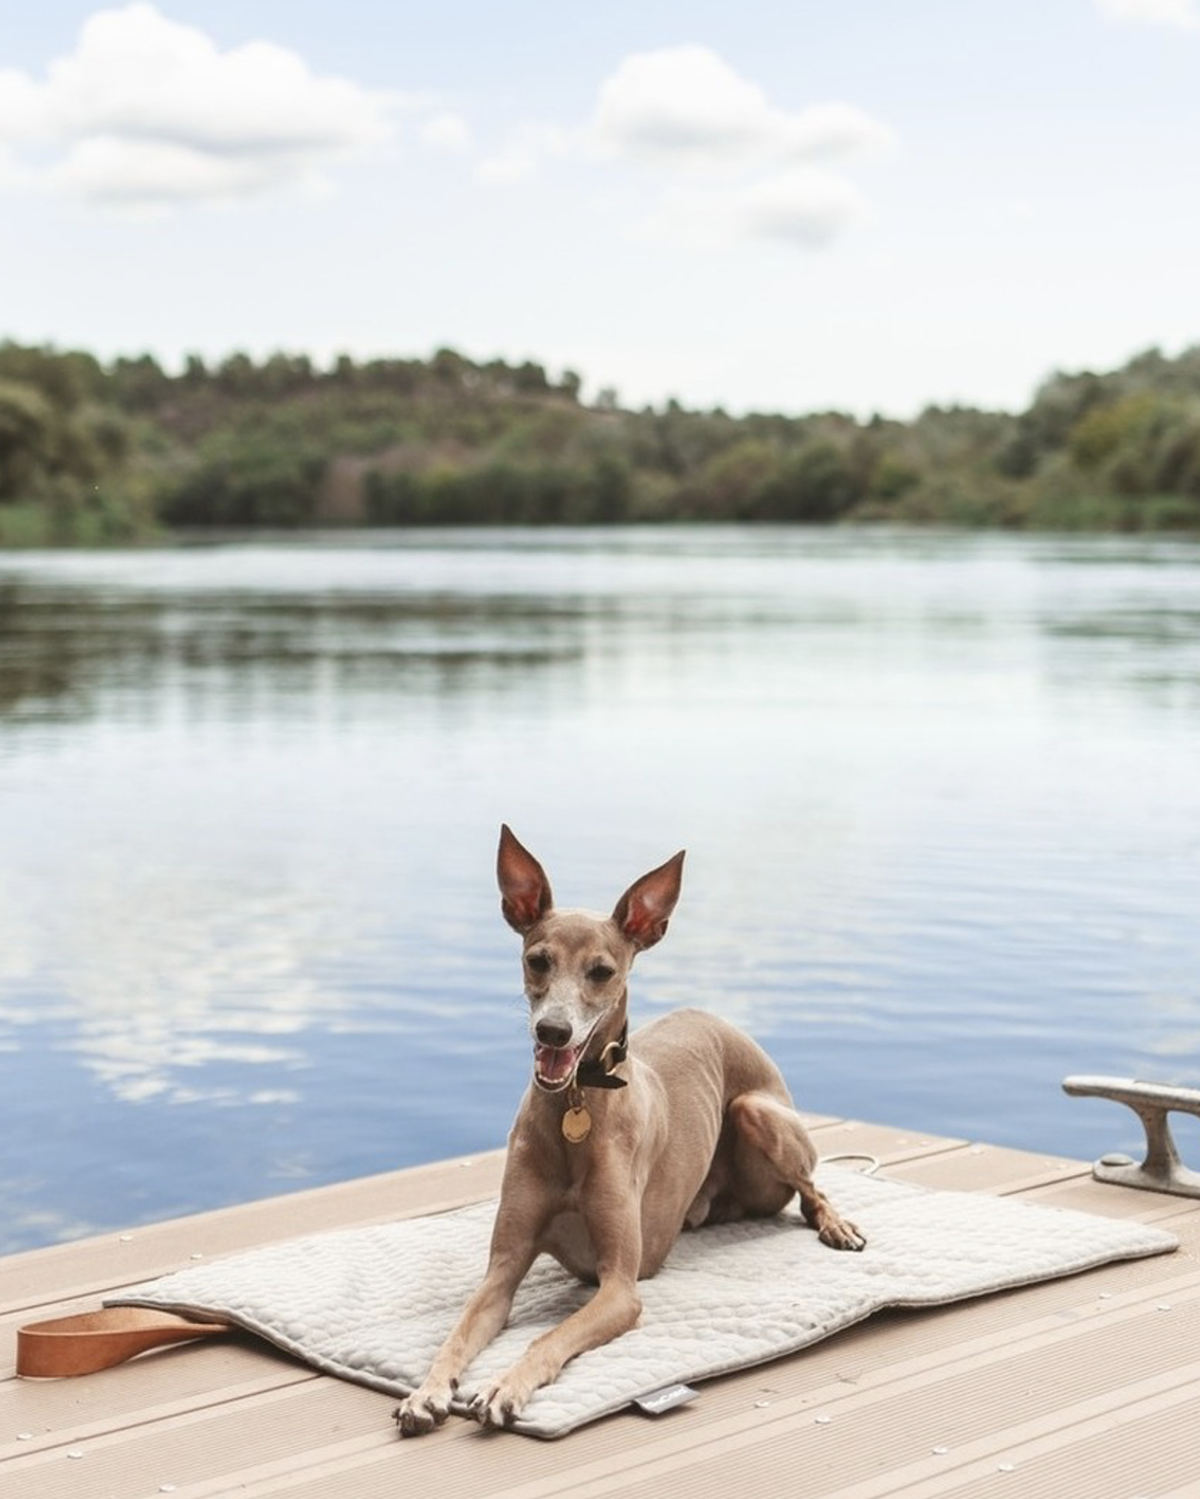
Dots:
pixel 940 795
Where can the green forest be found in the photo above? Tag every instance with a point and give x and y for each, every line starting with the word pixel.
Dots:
pixel 94 453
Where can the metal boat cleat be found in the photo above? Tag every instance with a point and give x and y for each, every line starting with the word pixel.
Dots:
pixel 1162 1170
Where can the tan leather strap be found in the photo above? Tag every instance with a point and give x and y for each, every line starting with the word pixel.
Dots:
pixel 66 1346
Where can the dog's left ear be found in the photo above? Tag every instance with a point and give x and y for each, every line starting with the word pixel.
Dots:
pixel 644 910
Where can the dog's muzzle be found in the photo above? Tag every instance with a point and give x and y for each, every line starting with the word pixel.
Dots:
pixel 554 1067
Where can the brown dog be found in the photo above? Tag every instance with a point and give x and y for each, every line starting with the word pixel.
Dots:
pixel 616 1147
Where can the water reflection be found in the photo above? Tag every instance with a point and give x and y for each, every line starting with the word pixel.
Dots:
pixel 61 653
pixel 939 794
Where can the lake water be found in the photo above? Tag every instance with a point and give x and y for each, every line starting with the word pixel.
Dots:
pixel 941 796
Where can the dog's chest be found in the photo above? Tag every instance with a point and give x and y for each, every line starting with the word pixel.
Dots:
pixel 568 1240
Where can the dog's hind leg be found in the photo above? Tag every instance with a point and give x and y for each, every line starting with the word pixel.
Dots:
pixel 774 1150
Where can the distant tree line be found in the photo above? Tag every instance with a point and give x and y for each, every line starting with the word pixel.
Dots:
pixel 91 452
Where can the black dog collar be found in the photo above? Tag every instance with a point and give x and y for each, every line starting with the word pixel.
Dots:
pixel 600 1074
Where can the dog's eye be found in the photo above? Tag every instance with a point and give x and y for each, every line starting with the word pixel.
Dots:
pixel 600 973
pixel 538 962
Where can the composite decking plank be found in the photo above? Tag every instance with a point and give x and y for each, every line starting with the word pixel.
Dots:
pixel 1122 1453
pixel 1122 1446
pixel 211 1440
pixel 994 1169
pixel 1128 1453
pixel 1087 1195
pixel 1188 1489
pixel 155 1387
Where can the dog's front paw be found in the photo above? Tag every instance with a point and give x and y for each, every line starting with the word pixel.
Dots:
pixel 423 1410
pixel 498 1406
pixel 840 1233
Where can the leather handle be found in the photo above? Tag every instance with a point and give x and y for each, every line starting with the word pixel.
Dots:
pixel 67 1346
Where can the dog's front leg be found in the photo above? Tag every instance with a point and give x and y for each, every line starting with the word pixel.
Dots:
pixel 613 1310
pixel 483 1317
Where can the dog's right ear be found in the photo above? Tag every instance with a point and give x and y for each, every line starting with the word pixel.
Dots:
pixel 524 889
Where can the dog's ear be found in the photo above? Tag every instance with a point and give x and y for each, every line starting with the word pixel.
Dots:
pixel 644 910
pixel 524 889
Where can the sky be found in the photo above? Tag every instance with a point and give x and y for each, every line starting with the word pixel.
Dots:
pixel 774 205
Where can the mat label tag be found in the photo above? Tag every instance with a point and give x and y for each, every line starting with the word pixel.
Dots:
pixel 666 1399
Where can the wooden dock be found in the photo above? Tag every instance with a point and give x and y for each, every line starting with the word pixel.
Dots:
pixel 1088 1386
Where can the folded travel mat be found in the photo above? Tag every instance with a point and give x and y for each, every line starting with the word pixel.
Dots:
pixel 373 1304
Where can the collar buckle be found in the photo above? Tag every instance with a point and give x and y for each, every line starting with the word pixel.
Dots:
pixel 601 1073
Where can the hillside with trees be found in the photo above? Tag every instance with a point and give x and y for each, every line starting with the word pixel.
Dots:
pixel 93 453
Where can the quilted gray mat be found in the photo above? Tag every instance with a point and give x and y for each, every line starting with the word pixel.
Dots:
pixel 373 1304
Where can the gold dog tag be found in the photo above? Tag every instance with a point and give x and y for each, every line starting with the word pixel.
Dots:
pixel 576 1125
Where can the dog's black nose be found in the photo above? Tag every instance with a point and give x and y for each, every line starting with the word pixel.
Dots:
pixel 550 1034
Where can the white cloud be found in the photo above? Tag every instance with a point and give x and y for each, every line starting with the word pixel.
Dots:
pixel 11 174
pixel 806 208
pixel 525 151
pixel 716 157
pixel 679 103
pixel 685 115
pixel 22 107
pixel 121 172
pixel 447 131
pixel 147 110
pixel 1181 13
pixel 833 131
pixel 687 105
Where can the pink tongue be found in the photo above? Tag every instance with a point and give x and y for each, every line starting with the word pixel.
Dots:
pixel 554 1065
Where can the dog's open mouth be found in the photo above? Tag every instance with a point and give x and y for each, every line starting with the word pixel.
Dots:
pixel 554 1067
